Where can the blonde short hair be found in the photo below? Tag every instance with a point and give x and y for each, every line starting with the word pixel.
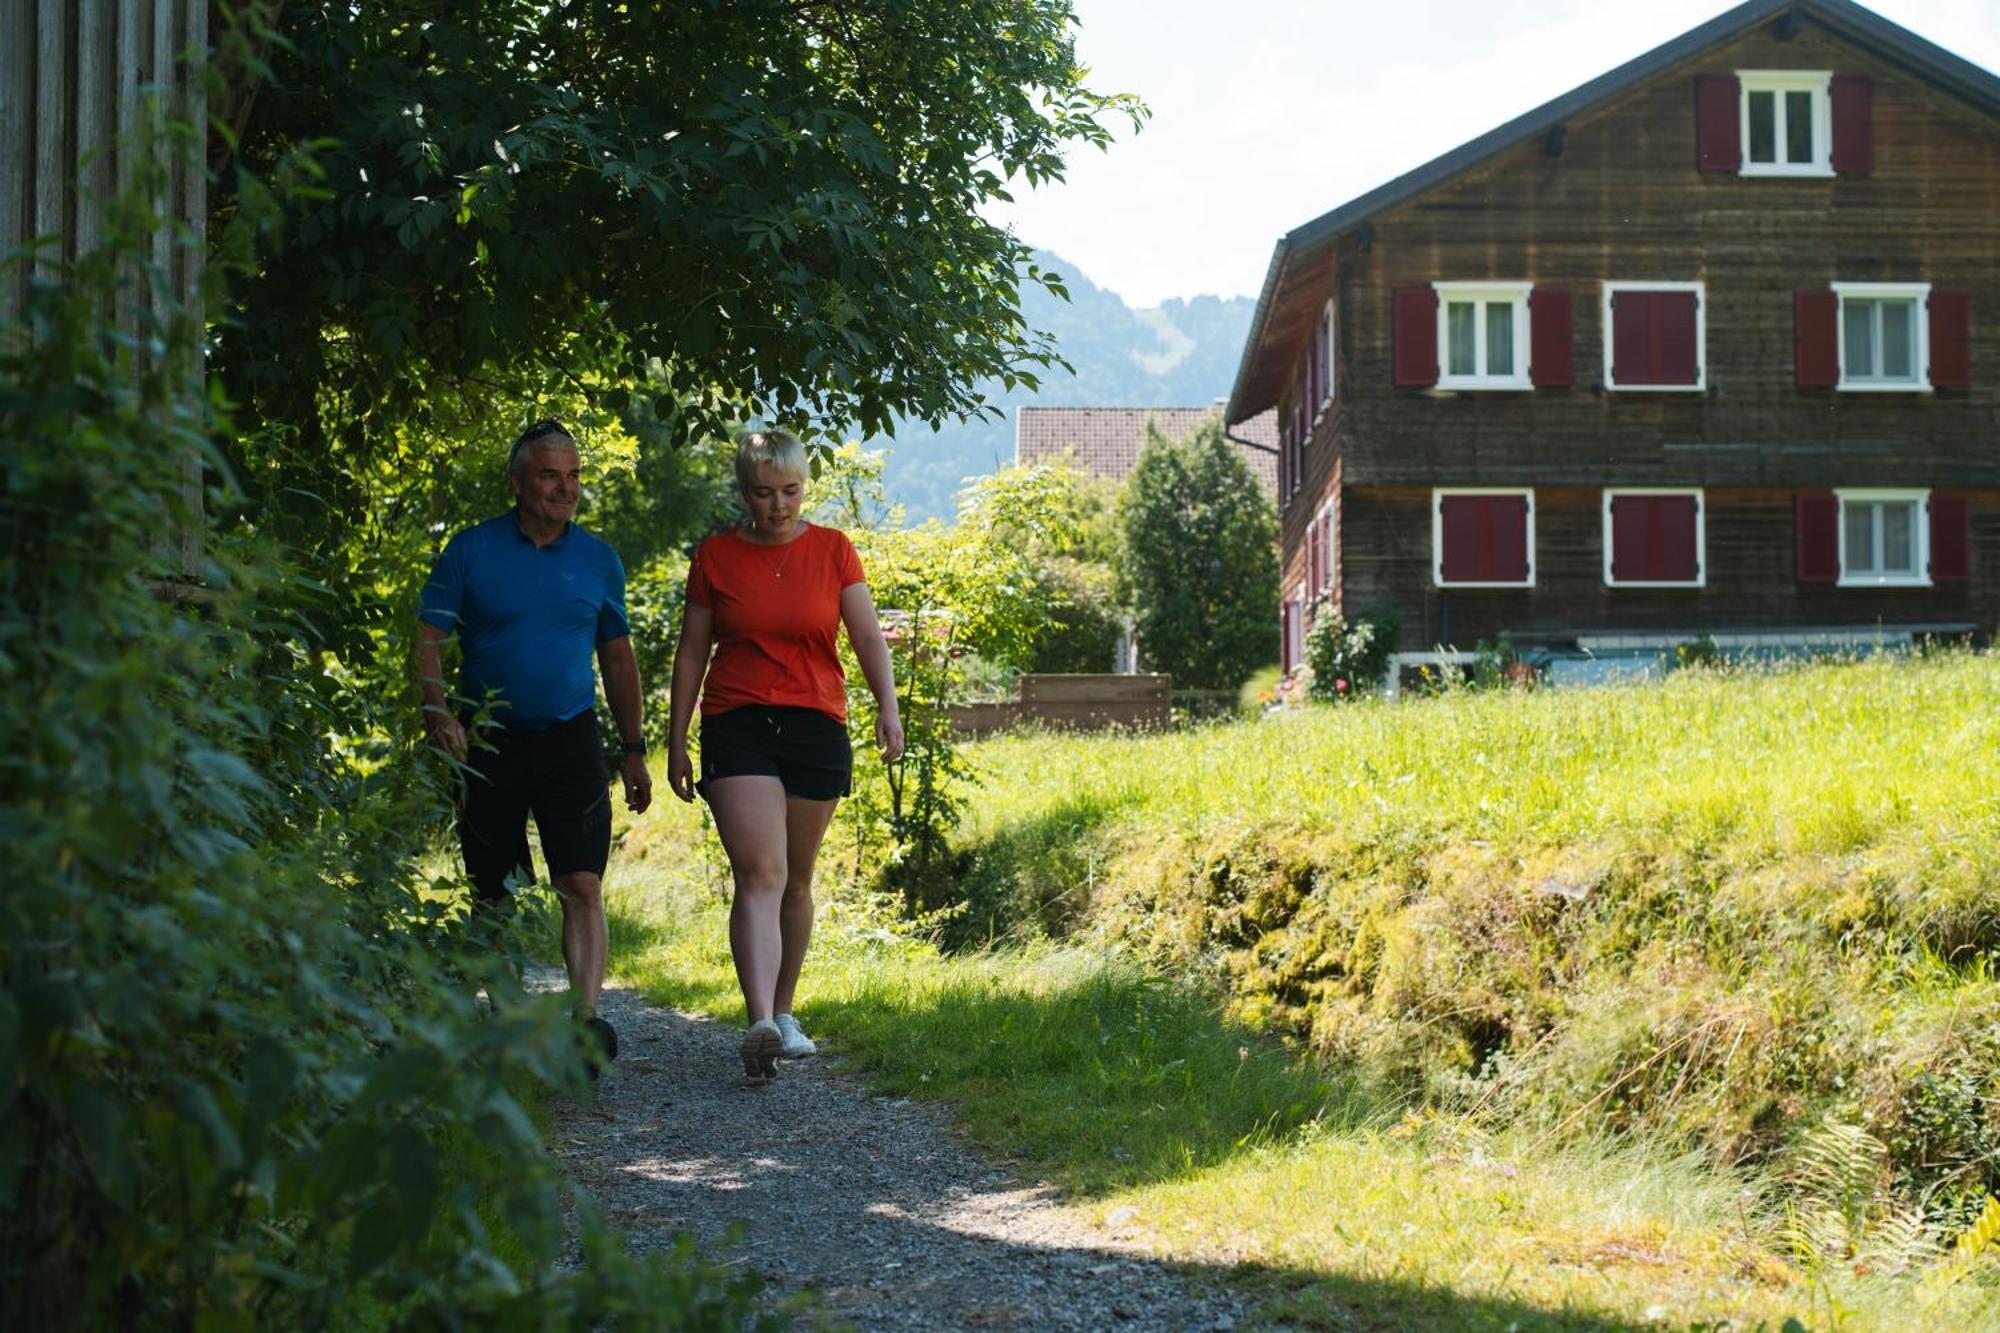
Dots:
pixel 778 450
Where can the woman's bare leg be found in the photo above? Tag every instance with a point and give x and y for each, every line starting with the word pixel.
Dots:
pixel 750 815
pixel 805 826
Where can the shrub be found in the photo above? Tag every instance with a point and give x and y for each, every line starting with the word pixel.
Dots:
pixel 241 1065
pixel 1081 633
pixel 1348 660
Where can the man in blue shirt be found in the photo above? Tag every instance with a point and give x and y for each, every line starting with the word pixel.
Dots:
pixel 529 595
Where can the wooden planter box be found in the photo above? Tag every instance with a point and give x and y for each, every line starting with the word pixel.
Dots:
pixel 1086 702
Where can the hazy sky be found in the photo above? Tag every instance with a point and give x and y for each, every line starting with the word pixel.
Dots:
pixel 1267 113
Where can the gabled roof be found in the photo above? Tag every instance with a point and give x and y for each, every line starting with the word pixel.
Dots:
pixel 1106 440
pixel 1863 26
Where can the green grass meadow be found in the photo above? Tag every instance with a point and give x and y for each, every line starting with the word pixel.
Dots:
pixel 1666 1006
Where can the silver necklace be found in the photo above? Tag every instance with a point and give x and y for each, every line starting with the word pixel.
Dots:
pixel 778 570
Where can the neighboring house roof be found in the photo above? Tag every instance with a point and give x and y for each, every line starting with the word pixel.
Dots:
pixel 1107 440
pixel 1255 393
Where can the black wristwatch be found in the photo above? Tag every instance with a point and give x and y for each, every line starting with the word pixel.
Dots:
pixel 632 747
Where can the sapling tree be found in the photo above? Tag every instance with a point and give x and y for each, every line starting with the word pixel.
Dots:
pixel 1198 561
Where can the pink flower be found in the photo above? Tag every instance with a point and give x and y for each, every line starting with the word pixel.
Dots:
pixel 1340 686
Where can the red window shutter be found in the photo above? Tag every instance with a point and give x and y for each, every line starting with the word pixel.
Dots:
pixel 1485 538
pixel 1951 538
pixel 1818 537
pixel 1550 315
pixel 1506 554
pixel 1816 339
pixel 1853 124
pixel 1654 338
pixel 1416 337
pixel 1718 134
pixel 1951 339
pixel 1674 556
pixel 1460 530
pixel 1631 337
pixel 1674 341
pixel 1653 539
pixel 1285 662
pixel 1629 538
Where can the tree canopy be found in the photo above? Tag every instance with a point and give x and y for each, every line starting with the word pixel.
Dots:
pixel 690 212
pixel 1198 561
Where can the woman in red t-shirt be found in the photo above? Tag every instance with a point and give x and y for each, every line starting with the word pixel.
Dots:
pixel 768 598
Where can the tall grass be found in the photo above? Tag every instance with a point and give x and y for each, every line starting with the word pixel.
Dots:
pixel 1669 1004
pixel 1828 759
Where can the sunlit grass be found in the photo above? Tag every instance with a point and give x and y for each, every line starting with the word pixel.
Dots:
pixel 1806 760
pixel 1788 808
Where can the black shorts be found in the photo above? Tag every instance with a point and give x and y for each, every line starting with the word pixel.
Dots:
pixel 802 748
pixel 557 775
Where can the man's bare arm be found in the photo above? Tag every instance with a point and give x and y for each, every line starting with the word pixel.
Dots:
pixel 621 690
pixel 440 726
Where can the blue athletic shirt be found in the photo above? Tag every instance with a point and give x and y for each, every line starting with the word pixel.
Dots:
pixel 527 617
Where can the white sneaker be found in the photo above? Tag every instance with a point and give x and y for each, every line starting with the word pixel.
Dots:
pixel 760 1048
pixel 795 1045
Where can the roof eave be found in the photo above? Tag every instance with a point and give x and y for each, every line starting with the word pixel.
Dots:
pixel 1961 75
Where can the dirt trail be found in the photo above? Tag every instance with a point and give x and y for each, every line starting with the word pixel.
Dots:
pixel 871 1202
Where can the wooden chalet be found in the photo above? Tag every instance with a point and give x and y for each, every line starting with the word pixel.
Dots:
pixel 1709 346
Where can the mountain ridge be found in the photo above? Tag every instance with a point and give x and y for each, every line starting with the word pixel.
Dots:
pixel 1179 353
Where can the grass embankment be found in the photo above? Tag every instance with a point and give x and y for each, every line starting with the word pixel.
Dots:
pixel 1653 1004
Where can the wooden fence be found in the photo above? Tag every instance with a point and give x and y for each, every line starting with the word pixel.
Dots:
pixel 1073 703
pixel 83 85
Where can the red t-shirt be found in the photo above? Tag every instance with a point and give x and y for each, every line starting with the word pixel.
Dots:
pixel 777 618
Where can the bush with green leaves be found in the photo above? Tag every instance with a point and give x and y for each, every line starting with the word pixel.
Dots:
pixel 244 1080
pixel 1198 561
pixel 1348 660
pixel 951 599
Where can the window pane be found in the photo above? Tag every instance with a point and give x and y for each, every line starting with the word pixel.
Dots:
pixel 1857 321
pixel 1459 317
pixel 1798 127
pixel 1763 127
pixel 1899 529
pixel 1898 340
pixel 1860 521
pixel 1499 337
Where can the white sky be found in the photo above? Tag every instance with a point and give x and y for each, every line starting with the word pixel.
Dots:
pixel 1267 113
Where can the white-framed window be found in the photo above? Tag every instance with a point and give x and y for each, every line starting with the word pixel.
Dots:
pixel 1885 336
pixel 1787 122
pixel 1656 337
pixel 1329 547
pixel 1655 537
pixel 1482 335
pixel 1483 536
pixel 1327 333
pixel 1885 539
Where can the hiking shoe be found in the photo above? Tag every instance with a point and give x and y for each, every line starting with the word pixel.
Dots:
pixel 760 1048
pixel 605 1038
pixel 795 1044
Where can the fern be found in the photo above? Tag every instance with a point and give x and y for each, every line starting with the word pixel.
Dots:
pixel 1898 1243
pixel 1975 1242
pixel 1839 1165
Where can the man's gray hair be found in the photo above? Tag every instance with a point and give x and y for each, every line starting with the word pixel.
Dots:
pixel 544 433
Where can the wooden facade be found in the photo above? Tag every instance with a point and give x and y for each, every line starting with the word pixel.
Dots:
pixel 85 87
pixel 78 82
pixel 1611 192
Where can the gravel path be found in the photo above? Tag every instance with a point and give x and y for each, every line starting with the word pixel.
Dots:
pixel 870 1201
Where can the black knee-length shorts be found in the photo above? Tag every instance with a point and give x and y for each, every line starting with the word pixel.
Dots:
pixel 557 775
pixel 803 748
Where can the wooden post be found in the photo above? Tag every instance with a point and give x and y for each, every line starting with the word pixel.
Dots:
pixel 74 76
